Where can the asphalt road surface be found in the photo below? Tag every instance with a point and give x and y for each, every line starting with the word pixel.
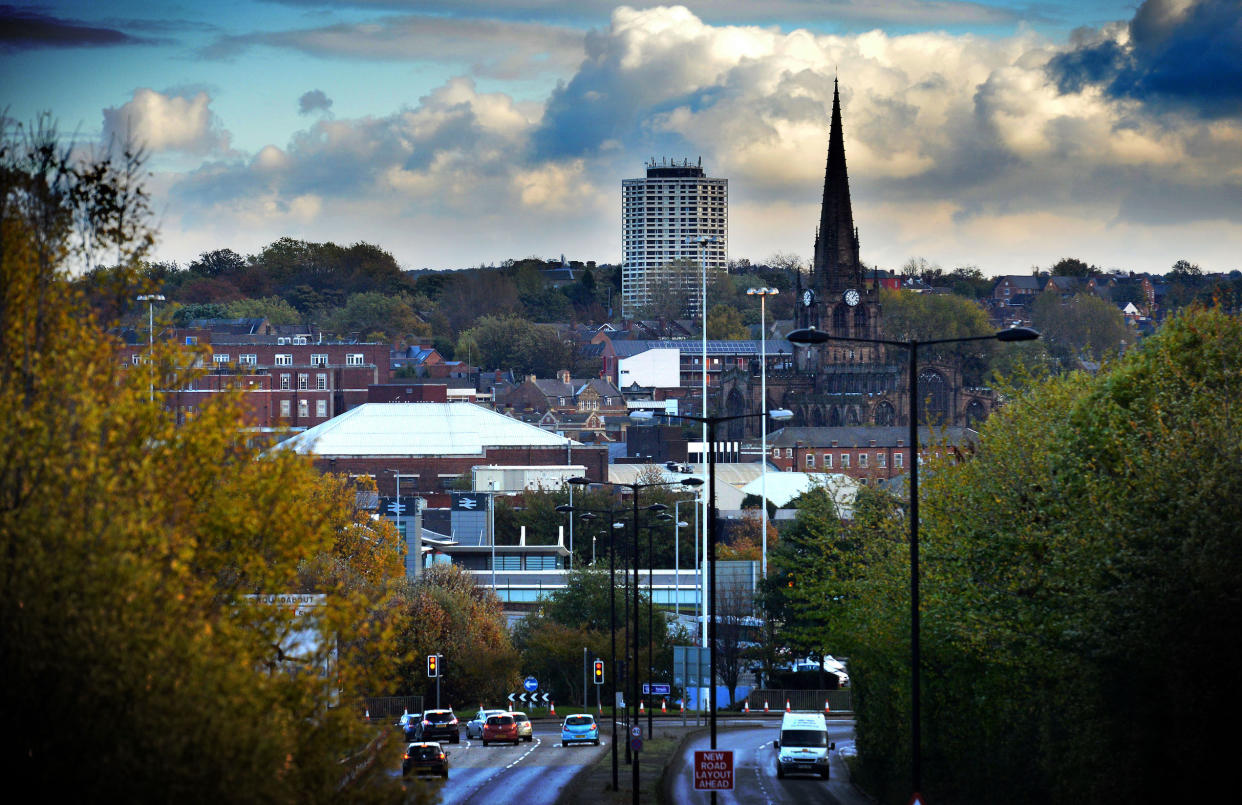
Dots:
pixel 754 759
pixel 529 773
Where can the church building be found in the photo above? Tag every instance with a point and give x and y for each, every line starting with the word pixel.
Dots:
pixel 842 383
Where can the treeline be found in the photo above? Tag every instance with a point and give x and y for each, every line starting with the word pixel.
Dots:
pixel 1080 605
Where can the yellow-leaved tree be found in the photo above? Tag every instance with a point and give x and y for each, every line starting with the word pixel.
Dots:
pixel 141 653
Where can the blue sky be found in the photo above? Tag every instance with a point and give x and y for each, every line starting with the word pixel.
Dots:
pixel 998 134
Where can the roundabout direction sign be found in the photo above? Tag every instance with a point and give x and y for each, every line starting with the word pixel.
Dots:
pixel 531 684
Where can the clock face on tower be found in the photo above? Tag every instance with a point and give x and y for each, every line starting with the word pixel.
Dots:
pixel 808 298
pixel 851 297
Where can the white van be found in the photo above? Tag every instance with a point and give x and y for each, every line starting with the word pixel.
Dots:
pixel 803 747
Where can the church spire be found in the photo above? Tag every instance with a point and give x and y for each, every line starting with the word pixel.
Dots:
pixel 836 265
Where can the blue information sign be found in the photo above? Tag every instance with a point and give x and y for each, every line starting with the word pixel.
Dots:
pixel 657 689
pixel 531 684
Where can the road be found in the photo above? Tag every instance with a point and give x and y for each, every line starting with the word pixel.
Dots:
pixel 755 778
pixel 530 773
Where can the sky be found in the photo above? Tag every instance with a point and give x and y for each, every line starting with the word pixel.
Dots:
pixel 998 134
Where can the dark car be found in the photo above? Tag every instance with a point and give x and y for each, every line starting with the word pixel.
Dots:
pixel 425 758
pixel 437 725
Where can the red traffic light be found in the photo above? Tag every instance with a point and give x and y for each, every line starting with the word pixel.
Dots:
pixel 433 665
pixel 599 672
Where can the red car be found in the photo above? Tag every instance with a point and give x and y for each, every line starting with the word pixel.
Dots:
pixel 500 728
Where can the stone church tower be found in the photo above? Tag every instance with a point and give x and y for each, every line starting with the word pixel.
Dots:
pixel 841 383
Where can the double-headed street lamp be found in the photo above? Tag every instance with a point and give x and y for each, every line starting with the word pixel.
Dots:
pixel 763 294
pixel 151 299
pixel 634 488
pixel 710 422
pixel 813 336
pixel 589 516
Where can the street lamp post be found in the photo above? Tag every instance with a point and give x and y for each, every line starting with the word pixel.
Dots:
pixel 763 294
pixel 711 422
pixel 151 299
pixel 634 488
pixel 661 514
pixel 813 336
pixel 589 516
pixel 702 242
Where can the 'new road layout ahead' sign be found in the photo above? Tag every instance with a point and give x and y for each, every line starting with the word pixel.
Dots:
pixel 713 770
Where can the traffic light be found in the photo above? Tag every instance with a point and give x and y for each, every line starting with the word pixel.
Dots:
pixel 433 665
pixel 599 672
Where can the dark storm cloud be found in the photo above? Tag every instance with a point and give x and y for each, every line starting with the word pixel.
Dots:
pixel 1178 57
pixel 314 101
pixel 21 29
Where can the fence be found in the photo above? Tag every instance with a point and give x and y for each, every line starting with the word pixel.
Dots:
pixel 839 701
pixel 390 708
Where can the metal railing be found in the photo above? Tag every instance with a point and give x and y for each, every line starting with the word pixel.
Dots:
pixel 390 708
pixel 839 701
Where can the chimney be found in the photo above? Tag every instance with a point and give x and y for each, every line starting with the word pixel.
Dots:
pixel 563 376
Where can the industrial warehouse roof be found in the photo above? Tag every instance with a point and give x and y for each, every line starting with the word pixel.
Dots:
pixel 420 429
pixel 785 486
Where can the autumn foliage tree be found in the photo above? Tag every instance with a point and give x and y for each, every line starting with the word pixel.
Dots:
pixel 141 657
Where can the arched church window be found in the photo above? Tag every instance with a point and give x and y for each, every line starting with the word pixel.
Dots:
pixel 933 398
pixel 860 321
pixel 884 414
pixel 840 320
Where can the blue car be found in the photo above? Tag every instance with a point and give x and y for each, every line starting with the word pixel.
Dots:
pixel 579 728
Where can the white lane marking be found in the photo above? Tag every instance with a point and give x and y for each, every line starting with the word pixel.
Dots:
pixel 759 775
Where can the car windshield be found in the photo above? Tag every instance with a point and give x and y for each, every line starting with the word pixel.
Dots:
pixel 439 717
pixel 500 721
pixel 427 752
pixel 487 713
pixel 810 738
pixel 520 717
pixel 579 721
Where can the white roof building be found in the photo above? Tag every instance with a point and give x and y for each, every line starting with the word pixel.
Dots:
pixel 785 486
pixel 420 429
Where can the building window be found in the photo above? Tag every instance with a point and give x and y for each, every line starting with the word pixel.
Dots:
pixel 303 409
pixel 191 340
pixel 321 408
pixel 285 382
pixel 541 563
pixel 248 360
pixel 299 340
pixel 321 382
pixel 285 408
pixel 845 461
pixel 827 461
pixel 898 458
pixel 862 459
pixel 284 359
pixel 776 451
pixel 810 460
pixel 303 381
pixel 220 357
pixel 354 359
pixel 134 359
pixel 319 359
pixel 881 460
pixel 788 452
pixel 509 562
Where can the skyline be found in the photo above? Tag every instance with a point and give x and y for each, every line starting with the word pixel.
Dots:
pixel 998 134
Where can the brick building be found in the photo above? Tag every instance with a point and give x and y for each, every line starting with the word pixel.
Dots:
pixel 862 452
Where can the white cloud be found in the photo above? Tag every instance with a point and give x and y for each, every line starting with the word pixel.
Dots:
pixel 166 122
pixel 960 148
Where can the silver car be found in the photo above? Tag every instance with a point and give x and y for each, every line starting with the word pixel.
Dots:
pixel 474 727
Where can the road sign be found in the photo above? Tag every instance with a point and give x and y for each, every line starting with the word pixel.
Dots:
pixel 713 770
pixel 531 684
pixel 636 731
pixel 691 666
pixel 657 689
pixel 546 697
pixel 511 696
pixel 636 744
pixel 522 698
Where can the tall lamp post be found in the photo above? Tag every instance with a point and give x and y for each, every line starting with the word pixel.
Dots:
pixel 589 516
pixel 661 512
pixel 812 336
pixel 710 422
pixel 634 488
pixel 703 241
pixel 763 294
pixel 151 299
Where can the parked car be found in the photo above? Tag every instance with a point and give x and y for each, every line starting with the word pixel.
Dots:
pixel 474 727
pixel 425 757
pixel 579 728
pixel 525 729
pixel 500 728
pixel 437 725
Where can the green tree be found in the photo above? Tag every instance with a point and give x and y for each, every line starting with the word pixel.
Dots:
pixel 138 554
pixel 724 323
pixel 273 308
pixel 909 316
pixel 374 312
pixel 1085 326
pixel 1072 267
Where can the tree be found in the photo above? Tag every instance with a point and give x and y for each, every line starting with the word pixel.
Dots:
pixel 1072 267
pixel 374 312
pixel 909 316
pixel 446 612
pixel 218 263
pixel 735 620
pixel 724 323
pixel 1085 325
pixel 511 342
pixel 137 555
pixel 273 308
